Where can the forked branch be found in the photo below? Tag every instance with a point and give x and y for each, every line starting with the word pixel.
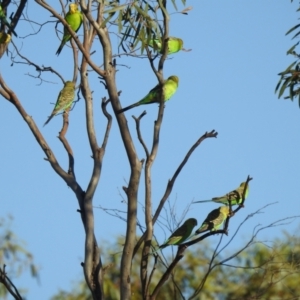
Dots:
pixel 169 188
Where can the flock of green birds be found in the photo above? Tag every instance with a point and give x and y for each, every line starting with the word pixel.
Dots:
pixel 214 219
pixel 66 96
pixel 74 19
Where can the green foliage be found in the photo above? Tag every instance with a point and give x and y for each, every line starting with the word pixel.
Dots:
pixel 290 78
pixel 138 22
pixel 268 272
pixel 262 271
pixel 14 255
pixel 139 25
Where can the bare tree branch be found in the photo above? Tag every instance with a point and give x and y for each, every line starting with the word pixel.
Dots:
pixel 138 130
pixel 169 270
pixel 92 263
pixel 4 279
pixel 172 181
pixel 38 68
pixel 235 254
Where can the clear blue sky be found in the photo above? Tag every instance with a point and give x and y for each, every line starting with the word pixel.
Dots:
pixel 227 83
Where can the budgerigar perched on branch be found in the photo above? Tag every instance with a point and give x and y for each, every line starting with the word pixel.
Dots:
pixel 236 196
pixel 170 86
pixel 64 100
pixel 74 18
pixel 181 233
pixel 214 220
pixel 4 20
pixel 174 45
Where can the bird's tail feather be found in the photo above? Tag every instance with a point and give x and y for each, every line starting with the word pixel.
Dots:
pixel 49 118
pixel 202 201
pixel 190 237
pixel 60 48
pixel 128 107
pixel 155 251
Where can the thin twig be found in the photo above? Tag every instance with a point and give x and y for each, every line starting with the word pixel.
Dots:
pixel 212 134
pixel 66 144
pixel 138 130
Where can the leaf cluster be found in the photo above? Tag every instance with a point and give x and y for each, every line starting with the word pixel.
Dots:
pixel 262 271
pixel 14 257
pixel 290 78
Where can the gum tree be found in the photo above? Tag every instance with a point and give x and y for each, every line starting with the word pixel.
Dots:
pixel 142 29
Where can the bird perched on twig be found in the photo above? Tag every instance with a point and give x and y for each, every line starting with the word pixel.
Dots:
pixel 74 18
pixel 214 220
pixel 181 233
pixel 169 86
pixel 174 45
pixel 64 100
pixel 235 196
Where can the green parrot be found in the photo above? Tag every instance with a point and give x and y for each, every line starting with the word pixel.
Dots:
pixel 174 45
pixel 180 234
pixel 64 99
pixel 214 220
pixel 236 196
pixel 4 20
pixel 4 38
pixel 170 86
pixel 74 18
